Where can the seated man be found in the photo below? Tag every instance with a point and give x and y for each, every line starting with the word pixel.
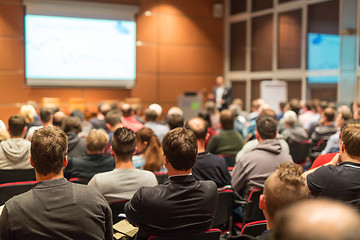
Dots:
pixel 76 145
pixel 122 182
pixel 326 128
pixel 182 206
pixel 293 133
pixel 317 220
pixel 253 168
pixel 46 117
pixel 15 151
pixel 282 188
pixel 339 179
pixel 207 166
pixel 94 161
pixel 55 208
pixel 151 117
pixel 228 141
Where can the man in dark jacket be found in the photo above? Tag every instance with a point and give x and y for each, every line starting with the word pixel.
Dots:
pixel 76 145
pixel 253 168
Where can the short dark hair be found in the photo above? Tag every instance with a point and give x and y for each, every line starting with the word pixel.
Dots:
pixel 346 115
pixel 49 146
pixel 350 136
pixel 150 115
pixel 180 148
pixel 71 124
pixel 123 143
pixel 126 110
pixel 266 127
pixel 174 121
pixel 295 105
pixel 17 124
pixel 113 117
pixel 268 112
pixel 199 129
pixel 227 119
pixel 45 114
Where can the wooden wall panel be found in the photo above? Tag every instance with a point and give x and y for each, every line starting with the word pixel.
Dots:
pixel 12 53
pixel 146 59
pixel 146 88
pixel 147 28
pixel 190 59
pixel 199 8
pixel 10 23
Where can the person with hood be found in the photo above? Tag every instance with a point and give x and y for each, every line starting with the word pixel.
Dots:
pixel 253 168
pixel 76 145
pixel 15 151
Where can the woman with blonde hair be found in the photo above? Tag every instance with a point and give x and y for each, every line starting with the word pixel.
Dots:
pixel 28 111
pixel 149 152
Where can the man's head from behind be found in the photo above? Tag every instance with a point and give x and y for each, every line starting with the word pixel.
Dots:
pixel 123 144
pixel 97 140
pixel 71 124
pixel 46 115
pixel 48 150
pixel 227 119
pixel 329 114
pixel 180 148
pixel 175 121
pixel 150 115
pixel 17 125
pixel 198 126
pixel 266 127
pixel 350 138
pixel 318 219
pixel 113 118
pixel 282 188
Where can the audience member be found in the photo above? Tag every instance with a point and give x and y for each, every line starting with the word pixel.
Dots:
pixel 55 208
pixel 46 120
pixel 250 145
pixel 326 128
pixel 15 151
pixel 221 94
pixel 323 159
pixel 317 220
pixel 253 168
pixel 149 155
pixel 76 145
pixel 58 118
pixel 184 205
pixel 113 122
pixel 293 133
pixel 94 161
pixel 175 111
pixel 339 179
pixel 207 166
pixel 4 134
pixel 128 119
pixel 280 115
pixel 315 120
pixel 86 127
pixel 214 115
pixel 239 121
pixel 122 182
pixel 257 107
pixel 175 121
pixel 292 105
pixel 228 141
pixel 151 117
pixel 332 145
pixel 282 188
pixel 309 111
pixel 28 111
pixel 99 121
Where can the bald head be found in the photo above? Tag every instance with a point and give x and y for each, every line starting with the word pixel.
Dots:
pixel 318 219
pixel 198 126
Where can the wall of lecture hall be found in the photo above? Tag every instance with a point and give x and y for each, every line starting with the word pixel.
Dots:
pixel 182 50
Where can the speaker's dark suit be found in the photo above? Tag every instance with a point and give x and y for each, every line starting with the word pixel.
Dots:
pixel 180 206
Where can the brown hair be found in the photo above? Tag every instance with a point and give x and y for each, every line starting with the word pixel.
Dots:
pixel 180 148
pixel 123 143
pixel 153 152
pixel 284 187
pixel 227 119
pixel 350 136
pixel 48 150
pixel 17 124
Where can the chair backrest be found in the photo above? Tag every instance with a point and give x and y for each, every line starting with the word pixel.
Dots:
pixel 161 177
pixel 117 208
pixel 224 209
pixel 16 175
pixel 299 151
pixel 229 159
pixel 211 234
pixel 254 228
pixel 8 190
pixel 252 211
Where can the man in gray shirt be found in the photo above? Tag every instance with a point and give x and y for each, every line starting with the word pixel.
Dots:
pixel 122 182
pixel 55 208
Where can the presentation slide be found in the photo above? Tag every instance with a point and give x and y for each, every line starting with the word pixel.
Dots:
pixel 66 48
pixel 323 51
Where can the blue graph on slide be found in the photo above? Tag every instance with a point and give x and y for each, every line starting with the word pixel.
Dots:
pixel 79 48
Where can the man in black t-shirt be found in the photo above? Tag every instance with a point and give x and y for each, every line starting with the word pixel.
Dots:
pixel 339 179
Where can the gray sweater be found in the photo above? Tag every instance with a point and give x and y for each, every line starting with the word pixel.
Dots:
pixel 253 168
pixel 15 154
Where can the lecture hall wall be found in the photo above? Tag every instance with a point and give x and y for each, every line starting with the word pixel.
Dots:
pixel 182 50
